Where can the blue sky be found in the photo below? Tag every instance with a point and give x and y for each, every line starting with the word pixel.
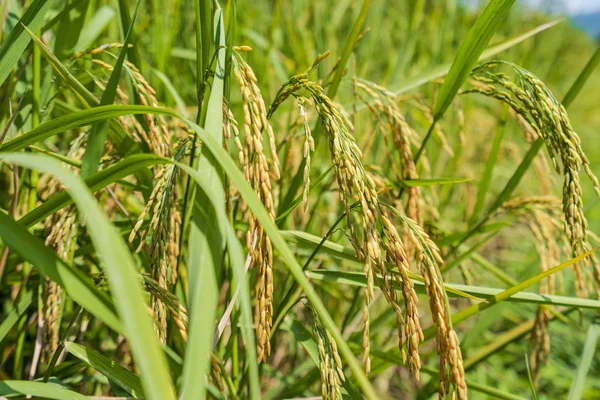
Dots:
pixel 572 7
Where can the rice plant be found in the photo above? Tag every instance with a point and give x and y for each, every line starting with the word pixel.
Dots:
pixel 307 199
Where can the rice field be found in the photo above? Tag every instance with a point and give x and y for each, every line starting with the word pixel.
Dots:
pixel 308 199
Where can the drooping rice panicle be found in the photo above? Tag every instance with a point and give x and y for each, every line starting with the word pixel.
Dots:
pixel 259 174
pixel 428 261
pixel 530 98
pixel 384 102
pixel 543 216
pixel 330 363
pixel 354 181
pixel 163 229
pixel 309 146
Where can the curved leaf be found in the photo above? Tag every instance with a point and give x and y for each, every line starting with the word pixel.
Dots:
pixel 122 277
pixel 38 389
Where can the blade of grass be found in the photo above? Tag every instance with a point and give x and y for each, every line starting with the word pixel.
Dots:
pixel 508 293
pixel 468 54
pixel 38 389
pixel 133 53
pixel 86 97
pixel 582 78
pixel 18 39
pixel 585 362
pixel 76 120
pixel 124 378
pixel 461 291
pixel 531 385
pixel 348 47
pixel 206 244
pixel 97 137
pixel 13 316
pixel 237 261
pixel 78 286
pixel 432 182
pixel 486 177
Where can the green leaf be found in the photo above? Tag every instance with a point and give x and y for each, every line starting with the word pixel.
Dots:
pixel 237 261
pixel 348 47
pixel 76 120
pixel 69 29
pixel 432 182
pixel 86 97
pixel 18 39
pixel 585 362
pixel 13 316
pixel 462 291
pixel 510 292
pixel 78 286
pixel 95 144
pixel 469 52
pixel 121 376
pixel 492 158
pixel 94 27
pixel 38 389
pixel 206 245
pixel 121 272
pixel 583 77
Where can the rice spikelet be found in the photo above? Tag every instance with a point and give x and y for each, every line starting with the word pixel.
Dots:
pixel 330 363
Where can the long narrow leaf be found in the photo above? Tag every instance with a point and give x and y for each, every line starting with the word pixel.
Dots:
pixel 124 378
pixel 76 120
pixel 18 39
pixel 13 316
pixel 79 287
pixel 38 389
pixel 95 144
pixel 207 239
pixel 457 290
pixel 469 52
pixel 587 356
